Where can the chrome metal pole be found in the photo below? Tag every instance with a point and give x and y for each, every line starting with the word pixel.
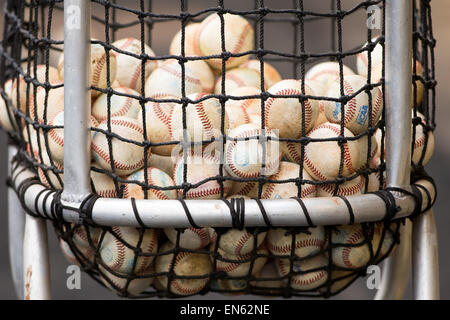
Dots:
pixel 16 225
pixel 398 50
pixel 36 266
pixel 425 258
pixel 77 99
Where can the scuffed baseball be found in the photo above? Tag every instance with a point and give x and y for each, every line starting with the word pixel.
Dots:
pixel 239 265
pixel 120 105
pixel 189 41
pixel 7 120
pixel 102 184
pixel 165 163
pixel 423 143
pixel 307 243
pixel 85 256
pixel 42 111
pixel 190 238
pixel 238 78
pixel 349 188
pixel 240 242
pixel 319 91
pixel 118 282
pixel 327 72
pixel 153 178
pixel 271 75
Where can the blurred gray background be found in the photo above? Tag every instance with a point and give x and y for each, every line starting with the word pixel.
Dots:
pixel 278 37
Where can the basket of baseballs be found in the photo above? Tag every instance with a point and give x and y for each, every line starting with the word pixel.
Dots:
pixel 132 260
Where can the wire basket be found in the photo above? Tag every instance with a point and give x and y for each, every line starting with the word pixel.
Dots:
pixel 175 212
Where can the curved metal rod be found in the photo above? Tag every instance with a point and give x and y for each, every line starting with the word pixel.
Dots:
pixel 425 258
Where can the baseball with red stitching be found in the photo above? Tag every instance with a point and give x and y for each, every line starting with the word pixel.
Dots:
pixel 56 135
pixel 244 152
pixel 128 156
pixel 166 80
pixel 310 242
pixel 327 72
pixel 251 105
pixel 6 115
pixel 19 86
pixel 51 173
pixel 190 238
pixel 102 184
pixel 422 138
pixel 269 271
pixel 239 265
pixel 153 179
pixel 383 243
pixel 288 171
pixel 364 158
pixel 247 189
pixel 85 236
pixel 237 78
pixel 349 188
pixel 86 255
pixel 339 280
pixel 238 39
pixel 199 170
pixel 121 284
pixel 120 104
pixel 374 183
pixel 283 113
pixel 186 264
pixel 189 41
pixel 271 75
pixel 357 113
pixel 130 67
pixel 99 67
pixel 327 168
pixel 311 272
pixel 203 119
pixel 117 250
pixel 352 243
pixel 46 106
pixel 240 242
pixel 320 91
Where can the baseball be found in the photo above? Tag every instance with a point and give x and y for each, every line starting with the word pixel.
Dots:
pixel 128 157
pixel 242 111
pixel 238 39
pixel 102 184
pixel 120 105
pixel 356 110
pixel 166 80
pixel 239 265
pixel 307 243
pixel 199 169
pixel 327 72
pixel 155 178
pixel 50 173
pixel 228 287
pixel 363 146
pixel 19 86
pixel 327 168
pixel 351 249
pixel 423 143
pixel 237 116
pixel 56 135
pixel 189 41
pixel 285 114
pixel 348 188
pixel 190 238
pixel 244 152
pixel 247 189
pixel 85 237
pixel 85 255
pixel 42 110
pixel 320 91
pixel 130 67
pixel 339 281
pixel 240 242
pixel 133 287
pixel 271 75
pixel 7 120
pixel 238 78
pixel 383 243
pixel 186 264
pixel 311 272
pixel 99 68
pixel 7 87
pixel 268 278
pixel 287 171
pixel 117 249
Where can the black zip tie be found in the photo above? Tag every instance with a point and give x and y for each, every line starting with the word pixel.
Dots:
pixel 305 211
pixel 263 212
pixel 350 209
pixel 85 211
pixel 136 213
pixel 188 214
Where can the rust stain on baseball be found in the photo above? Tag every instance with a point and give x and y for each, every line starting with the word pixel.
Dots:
pixel 28 283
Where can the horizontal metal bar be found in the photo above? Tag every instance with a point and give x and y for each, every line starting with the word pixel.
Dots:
pixel 215 213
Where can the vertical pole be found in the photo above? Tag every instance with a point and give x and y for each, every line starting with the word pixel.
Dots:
pixel 77 99
pixel 16 225
pixel 398 49
pixel 425 258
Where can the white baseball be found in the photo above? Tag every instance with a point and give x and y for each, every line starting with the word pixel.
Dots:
pixel 244 152
pixel 116 250
pixel 285 114
pixel 7 120
pixel 238 39
pixel 189 41
pixel 85 255
pixel 120 283
pixel 56 135
pixel 155 178
pixel 327 168
pixel 357 109
pixel 186 264
pixel 129 67
pixel 279 242
pixel 327 72
pixel 240 242
pixel 199 169
pixel 305 279
pixel 245 189
pixel 238 78
pixel 348 188
pixel 271 75
pixel 128 157
pixel 42 111
pixel 287 171
pixel 320 91
pixel 351 248
pixel 419 143
pixel 239 265
pixel 121 106
pixel 250 105
pixel 102 184
pixel 190 238
pixel 363 146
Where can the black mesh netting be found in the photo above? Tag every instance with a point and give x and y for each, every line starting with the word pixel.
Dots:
pixel 164 126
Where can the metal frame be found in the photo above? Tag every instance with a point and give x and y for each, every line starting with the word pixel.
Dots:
pixel 323 211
